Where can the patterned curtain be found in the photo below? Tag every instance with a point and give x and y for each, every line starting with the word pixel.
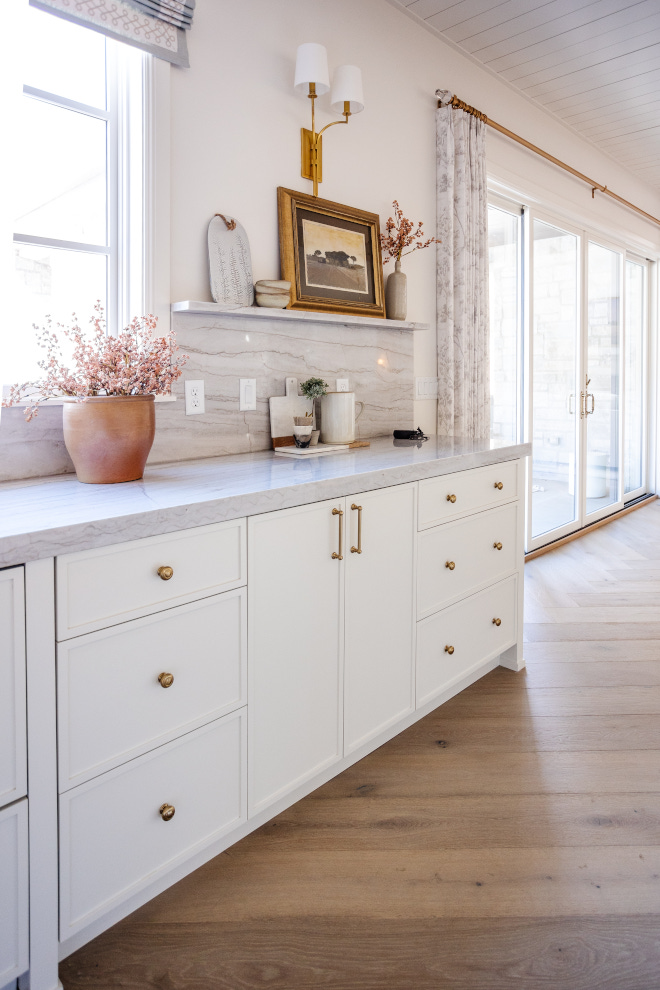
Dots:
pixel 462 273
pixel 156 26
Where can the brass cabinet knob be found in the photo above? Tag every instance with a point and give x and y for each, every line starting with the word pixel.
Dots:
pixel 167 812
pixel 497 546
pixel 450 564
pixel 497 622
pixel 166 680
pixel 165 573
pixel 451 498
pixel 449 650
pixel 499 485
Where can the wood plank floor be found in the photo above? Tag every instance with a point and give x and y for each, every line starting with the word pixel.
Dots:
pixel 509 841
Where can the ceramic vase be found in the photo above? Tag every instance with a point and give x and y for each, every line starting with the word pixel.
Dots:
pixel 109 437
pixel 396 294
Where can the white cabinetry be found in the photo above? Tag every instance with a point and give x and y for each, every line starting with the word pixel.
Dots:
pixel 380 609
pixel 469 577
pixel 193 704
pixel 295 637
pixel 123 829
pixel 151 668
pixel 13 779
pixel 13 891
pixel 330 634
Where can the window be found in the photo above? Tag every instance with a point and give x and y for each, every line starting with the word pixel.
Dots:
pixel 78 198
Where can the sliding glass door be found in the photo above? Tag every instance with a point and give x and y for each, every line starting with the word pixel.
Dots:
pixel 569 359
pixel 601 394
pixel 554 374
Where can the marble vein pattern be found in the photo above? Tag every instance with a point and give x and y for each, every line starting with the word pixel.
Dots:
pixel 46 517
pixel 223 348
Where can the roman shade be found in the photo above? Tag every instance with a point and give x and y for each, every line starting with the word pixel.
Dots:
pixel 156 26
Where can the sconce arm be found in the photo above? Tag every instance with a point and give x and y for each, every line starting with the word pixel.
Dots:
pixel 332 124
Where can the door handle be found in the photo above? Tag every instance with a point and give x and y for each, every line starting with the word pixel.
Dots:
pixel 569 404
pixel 590 412
pixel 358 548
pixel 340 513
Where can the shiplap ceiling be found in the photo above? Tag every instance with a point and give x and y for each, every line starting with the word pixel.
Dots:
pixel 594 63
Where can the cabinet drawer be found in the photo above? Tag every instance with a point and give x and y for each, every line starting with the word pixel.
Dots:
pixel 111 704
pixel 99 588
pixel 13 892
pixel 471 546
pixel 470 491
pixel 113 840
pixel 13 748
pixel 467 629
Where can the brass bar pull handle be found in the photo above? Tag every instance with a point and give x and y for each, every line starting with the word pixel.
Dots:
pixel 449 650
pixel 166 680
pixel 358 548
pixel 497 546
pixel 165 573
pixel 451 498
pixel 340 513
pixel 450 564
pixel 498 485
pixel 167 812
pixel 497 622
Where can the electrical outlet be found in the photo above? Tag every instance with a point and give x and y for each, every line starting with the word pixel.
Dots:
pixel 291 386
pixel 194 392
pixel 342 384
pixel 247 394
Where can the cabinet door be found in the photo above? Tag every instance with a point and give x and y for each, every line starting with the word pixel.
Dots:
pixel 13 892
pixel 12 686
pixel 378 670
pixel 294 648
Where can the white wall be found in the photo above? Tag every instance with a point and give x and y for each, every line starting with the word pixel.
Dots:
pixel 235 131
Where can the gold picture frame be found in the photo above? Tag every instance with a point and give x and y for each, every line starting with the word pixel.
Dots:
pixel 331 255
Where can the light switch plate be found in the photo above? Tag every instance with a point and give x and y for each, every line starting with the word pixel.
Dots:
pixel 291 386
pixel 194 392
pixel 342 384
pixel 247 394
pixel 426 388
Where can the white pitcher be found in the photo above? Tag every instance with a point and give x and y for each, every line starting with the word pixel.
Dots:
pixel 338 417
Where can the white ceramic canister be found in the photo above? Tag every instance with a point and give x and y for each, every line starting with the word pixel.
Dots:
pixel 338 417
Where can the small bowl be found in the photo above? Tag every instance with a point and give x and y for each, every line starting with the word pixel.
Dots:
pixel 274 301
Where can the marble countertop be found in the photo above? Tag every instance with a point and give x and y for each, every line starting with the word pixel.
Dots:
pixel 49 516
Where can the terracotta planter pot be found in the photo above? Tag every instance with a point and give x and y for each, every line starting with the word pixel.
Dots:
pixel 109 437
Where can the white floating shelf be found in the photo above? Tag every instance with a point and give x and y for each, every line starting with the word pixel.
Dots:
pixel 306 316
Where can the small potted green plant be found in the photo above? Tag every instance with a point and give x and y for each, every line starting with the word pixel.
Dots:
pixel 314 388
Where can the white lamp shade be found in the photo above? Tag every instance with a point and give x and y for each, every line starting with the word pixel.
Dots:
pixel 312 67
pixel 347 88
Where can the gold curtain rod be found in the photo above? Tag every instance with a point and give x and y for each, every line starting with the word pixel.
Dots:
pixel 460 105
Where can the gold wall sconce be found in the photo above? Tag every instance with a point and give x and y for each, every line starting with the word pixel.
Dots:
pixel 313 79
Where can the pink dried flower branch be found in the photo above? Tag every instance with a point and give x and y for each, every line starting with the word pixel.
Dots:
pixel 135 362
pixel 400 234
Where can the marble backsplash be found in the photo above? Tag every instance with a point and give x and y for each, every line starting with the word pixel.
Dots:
pixel 377 361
